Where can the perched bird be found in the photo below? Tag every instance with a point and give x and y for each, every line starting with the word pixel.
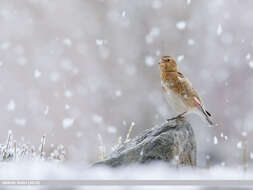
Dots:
pixel 179 92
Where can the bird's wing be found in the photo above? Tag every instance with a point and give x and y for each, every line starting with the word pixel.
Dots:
pixel 183 87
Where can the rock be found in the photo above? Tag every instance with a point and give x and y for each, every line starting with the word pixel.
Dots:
pixel 172 142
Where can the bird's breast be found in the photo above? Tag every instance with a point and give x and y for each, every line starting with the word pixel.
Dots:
pixel 174 100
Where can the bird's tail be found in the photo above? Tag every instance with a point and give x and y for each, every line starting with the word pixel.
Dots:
pixel 207 115
pixel 203 111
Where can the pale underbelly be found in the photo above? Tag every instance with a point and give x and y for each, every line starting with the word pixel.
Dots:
pixel 175 102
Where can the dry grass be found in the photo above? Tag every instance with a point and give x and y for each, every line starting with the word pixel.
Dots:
pixel 14 151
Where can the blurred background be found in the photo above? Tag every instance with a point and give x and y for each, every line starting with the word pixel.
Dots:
pixel 79 71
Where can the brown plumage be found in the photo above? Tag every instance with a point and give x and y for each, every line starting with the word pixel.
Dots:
pixel 179 93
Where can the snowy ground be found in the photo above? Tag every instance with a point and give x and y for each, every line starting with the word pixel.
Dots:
pixel 157 171
pixel 60 171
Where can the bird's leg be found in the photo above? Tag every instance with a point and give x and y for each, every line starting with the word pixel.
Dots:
pixel 179 116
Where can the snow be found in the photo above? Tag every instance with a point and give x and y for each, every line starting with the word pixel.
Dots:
pixel 97 119
pixel 112 129
pixel 5 45
pixel 67 123
pixel 37 73
pixel 20 121
pixel 118 93
pixel 123 14
pixel 149 61
pixel 68 94
pixel 215 140
pixel 251 155
pixel 21 61
pixel 244 134
pixel 11 105
pixel 239 145
pixel 251 64
pixel 55 76
pixel 99 42
pixel 219 30
pixel 181 25
pixel 46 110
pixel 191 42
pixel 156 4
pixel 67 42
pixel 124 122
pixel 154 33
pixel 248 56
pixel 67 106
pixel 180 58
pixel 160 171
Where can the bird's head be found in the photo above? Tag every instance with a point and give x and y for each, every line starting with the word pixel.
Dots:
pixel 168 64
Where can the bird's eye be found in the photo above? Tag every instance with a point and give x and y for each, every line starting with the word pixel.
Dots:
pixel 168 60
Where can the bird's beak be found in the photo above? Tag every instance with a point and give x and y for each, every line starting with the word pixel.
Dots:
pixel 158 63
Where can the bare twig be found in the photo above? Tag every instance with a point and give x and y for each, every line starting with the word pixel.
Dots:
pixel 129 132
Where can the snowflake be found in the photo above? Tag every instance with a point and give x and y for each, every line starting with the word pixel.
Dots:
pixel 181 25
pixel 67 122
pixel 219 30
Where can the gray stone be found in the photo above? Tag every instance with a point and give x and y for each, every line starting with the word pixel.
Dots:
pixel 172 142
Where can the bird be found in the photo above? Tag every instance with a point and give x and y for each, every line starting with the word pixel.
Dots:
pixel 179 93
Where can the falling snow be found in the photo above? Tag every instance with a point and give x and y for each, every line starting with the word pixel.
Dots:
pixel 251 155
pixel 112 129
pixel 219 30
pixel 239 145
pixel 68 94
pixel 55 76
pixel 118 93
pixel 251 64
pixel 5 45
pixel 191 42
pixel 46 110
pixel 248 56
pixel 11 105
pixel 37 73
pixel 215 140
pixel 188 2
pixel 180 58
pixel 149 61
pixel 155 32
pixel 67 123
pixel 244 134
pixel 67 106
pixel 97 119
pixel 20 121
pixel 99 42
pixel 181 25
pixel 123 13
pixel 67 42
pixel 156 4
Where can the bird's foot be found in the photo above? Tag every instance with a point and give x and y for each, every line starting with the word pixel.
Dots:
pixel 177 117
